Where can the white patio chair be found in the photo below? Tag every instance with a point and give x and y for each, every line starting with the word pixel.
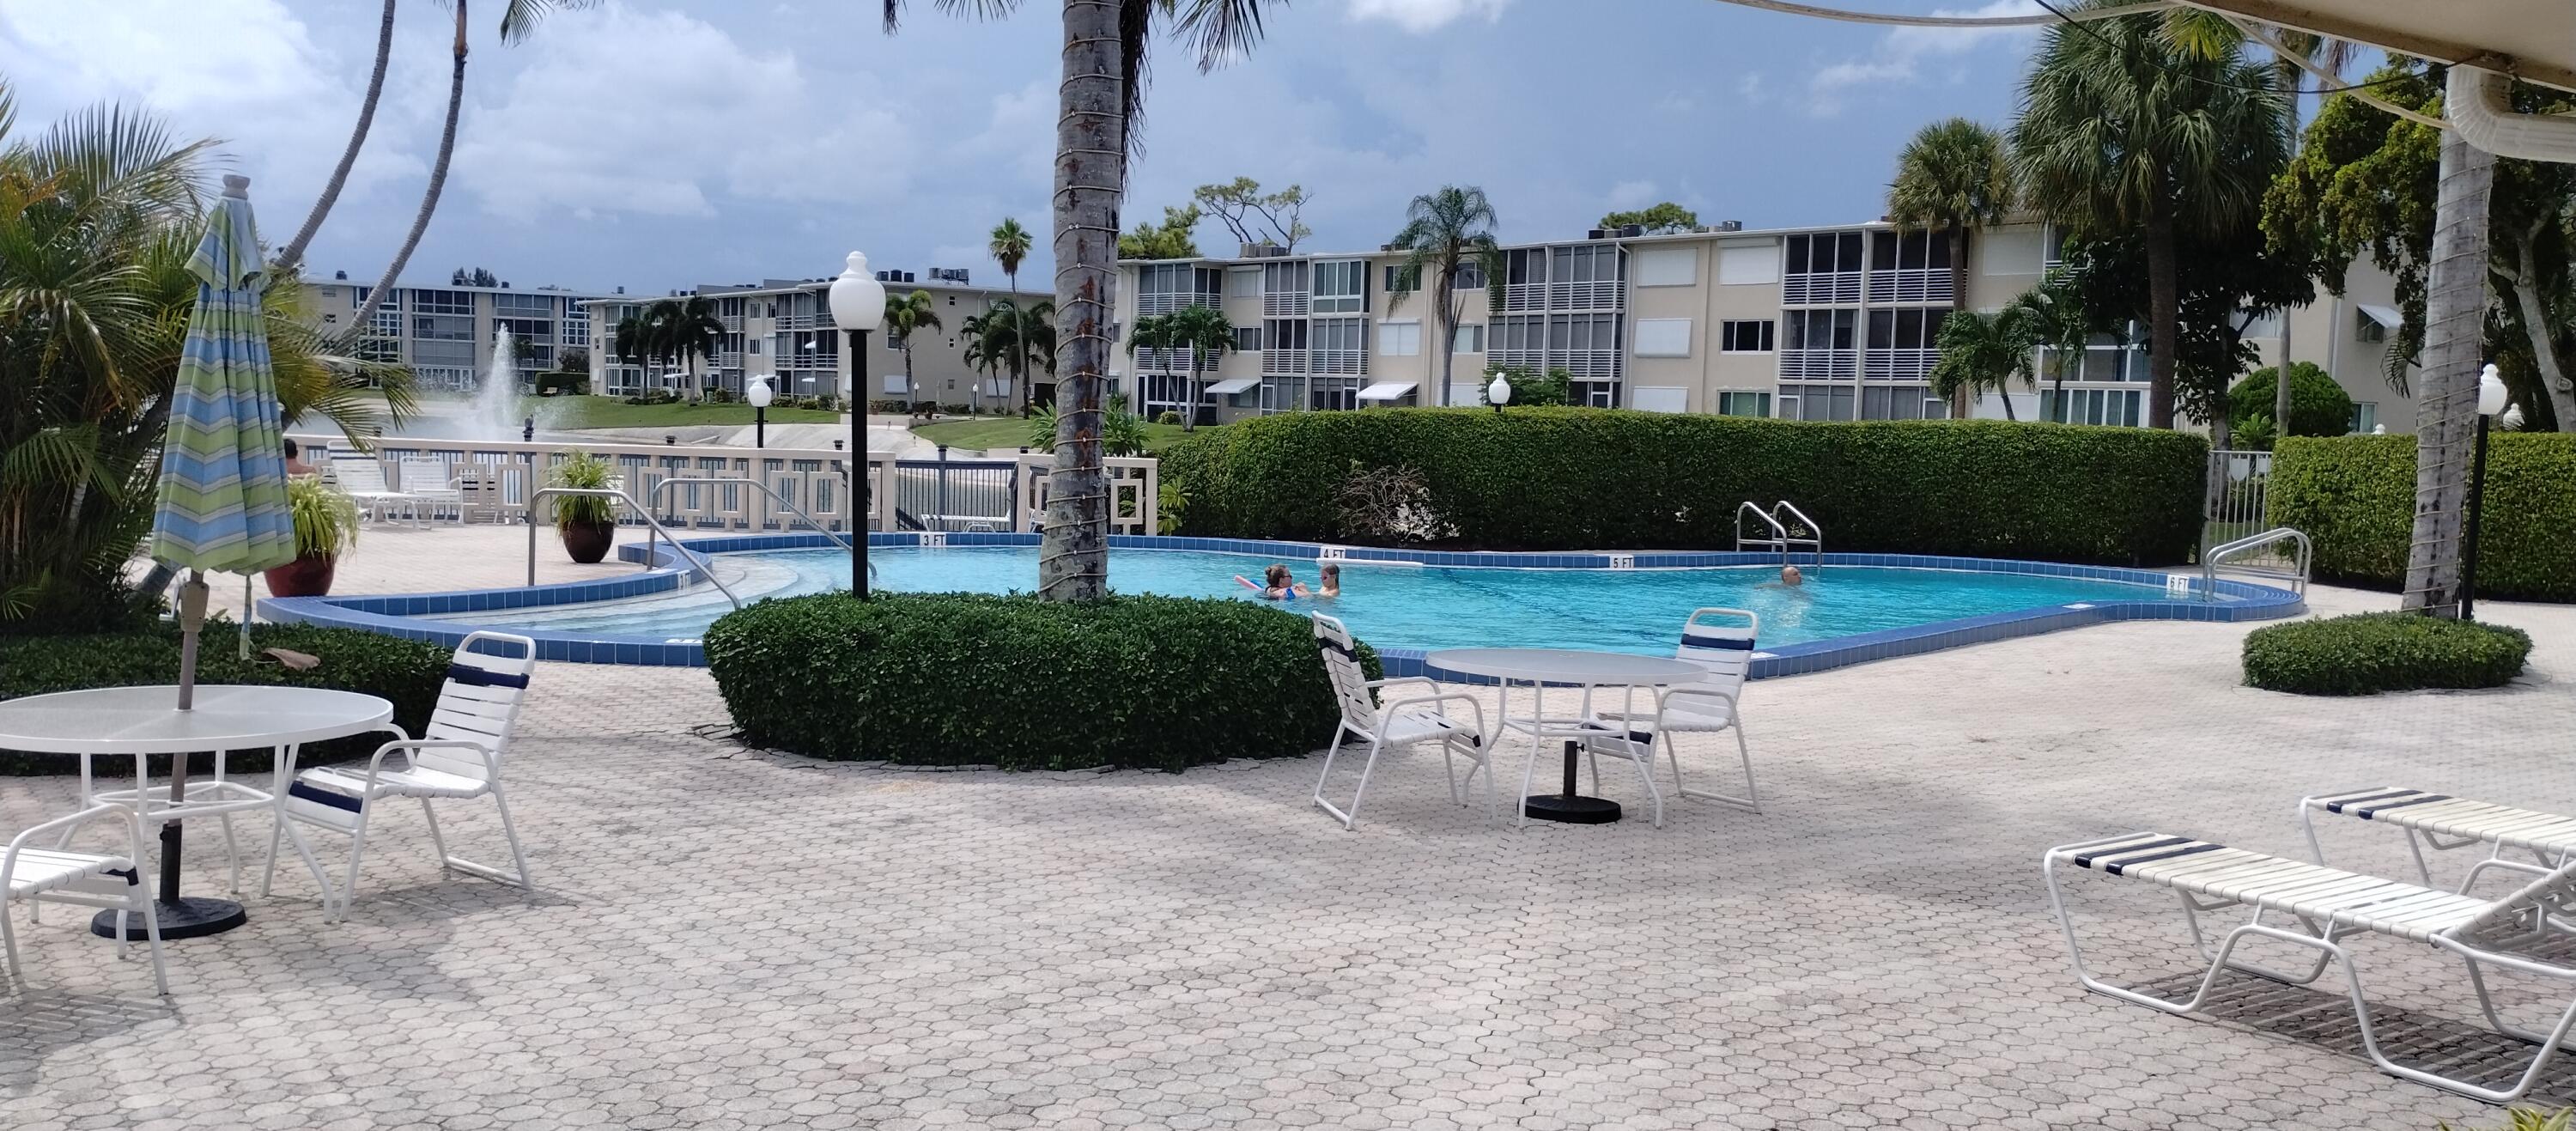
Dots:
pixel 362 478
pixel 2332 905
pixel 458 756
pixel 1720 642
pixel 431 484
pixel 1402 723
pixel 83 879
pixel 2443 822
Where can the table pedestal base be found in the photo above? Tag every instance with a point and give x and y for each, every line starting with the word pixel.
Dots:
pixel 1571 810
pixel 185 919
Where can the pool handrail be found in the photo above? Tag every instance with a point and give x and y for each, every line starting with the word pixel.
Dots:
pixel 1780 538
pixel 2296 572
pixel 663 487
pixel 1815 528
pixel 529 513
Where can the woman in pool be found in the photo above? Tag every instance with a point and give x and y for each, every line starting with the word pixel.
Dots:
pixel 1276 584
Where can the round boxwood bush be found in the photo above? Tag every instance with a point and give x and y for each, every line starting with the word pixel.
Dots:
pixel 406 673
pixel 2318 406
pixel 970 679
pixel 2368 653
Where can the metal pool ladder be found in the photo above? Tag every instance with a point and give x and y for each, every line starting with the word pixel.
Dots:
pixel 695 559
pixel 1779 537
pixel 2292 568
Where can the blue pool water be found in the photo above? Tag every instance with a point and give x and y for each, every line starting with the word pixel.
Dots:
pixel 1397 605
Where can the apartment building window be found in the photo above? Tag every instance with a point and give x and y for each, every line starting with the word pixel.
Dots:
pixel 1282 278
pixel 358 298
pixel 443 353
pixel 1818 402
pixel 384 349
pixel 2365 416
pixel 1820 329
pixel 386 321
pixel 1329 393
pixel 442 302
pixel 1909 251
pixel 444 377
pixel 1247 339
pixel 1284 334
pixel 1243 282
pixel 2092 406
pixel 443 327
pixel 729 307
pixel 511 302
pixel 540 330
pixel 1340 345
pixel 1899 402
pixel 1822 252
pixel 1470 276
pixel 1907 329
pixel 1747 336
pixel 1469 338
pixel 1744 404
pixel 1399 339
pixel 1401 279
pixel 1341 287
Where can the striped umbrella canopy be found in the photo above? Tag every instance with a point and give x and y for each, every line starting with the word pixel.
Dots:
pixel 222 503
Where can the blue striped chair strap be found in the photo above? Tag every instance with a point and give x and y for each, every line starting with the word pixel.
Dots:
pixel 320 796
pixel 1710 640
pixel 472 676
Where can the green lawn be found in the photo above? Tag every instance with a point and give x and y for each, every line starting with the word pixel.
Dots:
pixel 613 412
pixel 1011 432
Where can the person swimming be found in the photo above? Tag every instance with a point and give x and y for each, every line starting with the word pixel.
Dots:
pixel 1329 580
pixel 1791 580
pixel 1790 577
pixel 1277 584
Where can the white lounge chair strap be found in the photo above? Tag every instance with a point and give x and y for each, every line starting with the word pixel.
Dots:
pixel 2370 805
pixel 2118 859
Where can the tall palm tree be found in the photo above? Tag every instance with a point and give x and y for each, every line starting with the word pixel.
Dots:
pixel 2121 129
pixel 1153 332
pixel 2446 391
pixel 1010 248
pixel 1207 334
pixel 905 313
pixel 292 255
pixel 987 348
pixel 1098 98
pixel 683 331
pixel 518 20
pixel 1953 176
pixel 1443 232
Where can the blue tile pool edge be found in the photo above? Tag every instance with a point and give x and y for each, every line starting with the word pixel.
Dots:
pixel 398 614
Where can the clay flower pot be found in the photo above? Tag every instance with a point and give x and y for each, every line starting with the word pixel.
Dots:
pixel 588 542
pixel 307 576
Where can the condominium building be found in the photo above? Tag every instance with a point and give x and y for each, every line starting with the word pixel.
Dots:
pixel 783 329
pixel 446 334
pixel 1823 323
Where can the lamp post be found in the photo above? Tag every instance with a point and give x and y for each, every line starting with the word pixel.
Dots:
pixel 759 395
pixel 858 306
pixel 2491 394
pixel 1498 394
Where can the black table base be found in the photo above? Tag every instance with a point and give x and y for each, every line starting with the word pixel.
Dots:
pixel 1570 807
pixel 188 918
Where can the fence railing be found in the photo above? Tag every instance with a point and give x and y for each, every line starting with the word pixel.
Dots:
pixel 2238 484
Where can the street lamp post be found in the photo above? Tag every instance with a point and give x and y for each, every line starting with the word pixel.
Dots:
pixel 858 306
pixel 759 395
pixel 2491 394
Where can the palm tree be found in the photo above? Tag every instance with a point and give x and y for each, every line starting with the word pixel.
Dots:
pixel 1010 248
pixel 633 340
pixel 905 313
pixel 1985 351
pixel 1207 334
pixel 2123 130
pixel 292 255
pixel 683 330
pixel 1101 89
pixel 1156 333
pixel 518 19
pixel 1953 176
pixel 987 348
pixel 2455 303
pixel 1443 232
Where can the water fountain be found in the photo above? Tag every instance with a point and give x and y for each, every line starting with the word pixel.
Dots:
pixel 496 405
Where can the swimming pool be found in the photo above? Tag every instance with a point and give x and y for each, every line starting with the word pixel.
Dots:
pixel 1406 605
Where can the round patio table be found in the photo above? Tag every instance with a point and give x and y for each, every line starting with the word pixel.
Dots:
pixel 140 721
pixel 1542 668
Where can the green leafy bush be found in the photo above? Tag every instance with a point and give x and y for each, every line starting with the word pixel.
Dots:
pixel 406 673
pixel 2355 498
pixel 570 384
pixel 976 679
pixel 2318 406
pixel 2368 653
pixel 1584 478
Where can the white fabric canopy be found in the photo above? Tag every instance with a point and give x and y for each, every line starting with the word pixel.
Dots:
pixel 1232 385
pixel 2383 315
pixel 1387 391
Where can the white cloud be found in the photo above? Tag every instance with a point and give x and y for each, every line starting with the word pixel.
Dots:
pixel 1903 51
pixel 1631 194
pixel 1420 16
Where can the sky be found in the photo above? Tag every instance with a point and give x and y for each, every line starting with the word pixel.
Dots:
pixel 665 143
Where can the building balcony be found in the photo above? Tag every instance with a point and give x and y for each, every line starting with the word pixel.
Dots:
pixel 1819 365
pixel 1821 288
pixel 1283 363
pixel 1165 302
pixel 1902 364
pixel 1287 304
pixel 1911 285
pixel 1347 362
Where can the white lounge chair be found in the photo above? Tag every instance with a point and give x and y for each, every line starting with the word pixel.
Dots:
pixel 83 879
pixel 359 476
pixel 1719 641
pixel 2443 822
pixel 458 756
pixel 2332 905
pixel 431 485
pixel 1404 722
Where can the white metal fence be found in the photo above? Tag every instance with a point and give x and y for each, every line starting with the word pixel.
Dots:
pixel 2238 484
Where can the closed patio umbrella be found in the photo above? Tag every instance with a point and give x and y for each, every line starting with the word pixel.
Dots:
pixel 222 501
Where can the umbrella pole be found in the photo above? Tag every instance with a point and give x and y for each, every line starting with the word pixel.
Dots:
pixel 192 620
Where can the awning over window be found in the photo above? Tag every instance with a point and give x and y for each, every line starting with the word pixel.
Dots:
pixel 2382 315
pixel 1387 391
pixel 1232 385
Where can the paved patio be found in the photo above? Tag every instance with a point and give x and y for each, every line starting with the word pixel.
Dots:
pixel 730 939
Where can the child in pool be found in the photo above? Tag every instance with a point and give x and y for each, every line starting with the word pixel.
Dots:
pixel 1329 580
pixel 1277 584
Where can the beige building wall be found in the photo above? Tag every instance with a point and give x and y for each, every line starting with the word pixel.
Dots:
pixel 446 334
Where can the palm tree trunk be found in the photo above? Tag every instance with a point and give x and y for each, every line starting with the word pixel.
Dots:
pixel 292 255
pixel 437 181
pixel 1959 407
pixel 2006 394
pixel 1190 411
pixel 1019 343
pixel 2446 400
pixel 2164 316
pixel 1448 319
pixel 2281 387
pixel 1090 176
pixel 2544 346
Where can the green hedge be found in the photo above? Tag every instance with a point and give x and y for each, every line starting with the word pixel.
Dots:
pixel 974 679
pixel 2368 653
pixel 406 673
pixel 2355 498
pixel 1582 478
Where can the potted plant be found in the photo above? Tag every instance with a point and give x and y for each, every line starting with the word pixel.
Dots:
pixel 587 523
pixel 326 525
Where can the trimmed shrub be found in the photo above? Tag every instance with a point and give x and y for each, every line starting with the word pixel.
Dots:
pixel 949 679
pixel 2367 653
pixel 406 673
pixel 2318 406
pixel 1585 478
pixel 2355 498
pixel 571 384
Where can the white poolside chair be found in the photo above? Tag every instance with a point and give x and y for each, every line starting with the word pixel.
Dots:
pixel 1720 642
pixel 458 756
pixel 1402 723
pixel 431 485
pixel 362 478
pixel 2333 905
pixel 2443 822
pixel 82 879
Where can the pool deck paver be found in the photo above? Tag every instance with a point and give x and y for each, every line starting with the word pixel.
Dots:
pixel 726 938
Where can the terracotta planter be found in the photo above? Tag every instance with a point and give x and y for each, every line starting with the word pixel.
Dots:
pixel 587 542
pixel 307 576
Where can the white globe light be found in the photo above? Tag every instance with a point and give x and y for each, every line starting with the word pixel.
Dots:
pixel 2491 392
pixel 858 299
pixel 759 393
pixel 1500 392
